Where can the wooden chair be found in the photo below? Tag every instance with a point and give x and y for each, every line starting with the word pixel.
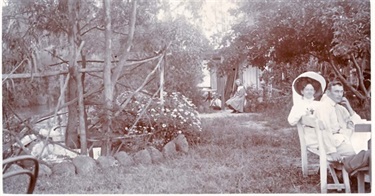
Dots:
pixel 325 162
pixel 33 174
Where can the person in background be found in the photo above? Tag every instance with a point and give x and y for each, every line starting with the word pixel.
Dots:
pixel 216 102
pixel 236 103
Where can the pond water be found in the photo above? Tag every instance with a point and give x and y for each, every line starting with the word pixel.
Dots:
pixel 40 110
pixel 52 152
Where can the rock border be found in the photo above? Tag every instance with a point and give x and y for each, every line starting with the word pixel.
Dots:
pixel 83 164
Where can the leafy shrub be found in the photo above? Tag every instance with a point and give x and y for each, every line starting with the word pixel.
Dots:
pixel 254 99
pixel 145 115
pixel 276 110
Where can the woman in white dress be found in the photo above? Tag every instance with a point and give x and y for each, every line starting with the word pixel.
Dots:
pixel 307 88
pixel 236 103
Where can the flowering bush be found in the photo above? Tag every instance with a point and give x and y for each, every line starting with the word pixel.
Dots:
pixel 161 122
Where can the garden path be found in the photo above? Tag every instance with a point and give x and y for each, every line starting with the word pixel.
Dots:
pixel 224 113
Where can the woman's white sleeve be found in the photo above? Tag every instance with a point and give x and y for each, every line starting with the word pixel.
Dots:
pixel 295 115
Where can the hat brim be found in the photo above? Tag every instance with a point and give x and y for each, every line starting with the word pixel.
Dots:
pixel 299 85
pixel 313 75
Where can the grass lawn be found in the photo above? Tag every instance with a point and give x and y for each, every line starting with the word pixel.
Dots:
pixel 238 153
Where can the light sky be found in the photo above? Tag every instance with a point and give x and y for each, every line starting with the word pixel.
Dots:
pixel 215 19
pixel 216 16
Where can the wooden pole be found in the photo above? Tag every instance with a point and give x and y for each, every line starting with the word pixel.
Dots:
pixel 162 83
pixel 61 100
pixel 127 101
pixel 82 70
pixel 107 75
pixel 81 106
pixel 73 66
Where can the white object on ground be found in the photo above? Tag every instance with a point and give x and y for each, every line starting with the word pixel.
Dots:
pixel 27 139
pixel 96 152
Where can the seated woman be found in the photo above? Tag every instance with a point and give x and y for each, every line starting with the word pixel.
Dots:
pixel 216 102
pixel 305 103
pixel 236 103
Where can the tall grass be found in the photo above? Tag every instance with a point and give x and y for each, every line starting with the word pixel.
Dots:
pixel 236 154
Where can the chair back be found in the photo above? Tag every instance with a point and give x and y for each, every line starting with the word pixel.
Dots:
pixel 304 161
pixel 304 148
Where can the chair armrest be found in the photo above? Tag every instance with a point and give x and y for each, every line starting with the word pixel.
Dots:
pixel 32 174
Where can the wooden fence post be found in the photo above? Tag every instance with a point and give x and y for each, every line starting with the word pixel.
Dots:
pixel 162 82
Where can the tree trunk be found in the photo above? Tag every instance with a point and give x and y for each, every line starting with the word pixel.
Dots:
pixel 71 135
pixel 108 87
pixel 366 109
pixel 83 76
pixel 73 69
pixel 229 84
pixel 81 111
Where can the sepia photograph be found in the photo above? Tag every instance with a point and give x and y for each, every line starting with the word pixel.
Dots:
pixel 186 97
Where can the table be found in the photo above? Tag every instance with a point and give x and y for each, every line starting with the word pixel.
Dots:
pixel 363 127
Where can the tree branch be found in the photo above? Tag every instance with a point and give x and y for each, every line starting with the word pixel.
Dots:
pixel 129 61
pixel 123 105
pixel 101 29
pixel 13 70
pixel 359 75
pixel 343 80
pixel 88 30
pixel 53 55
pixel 128 44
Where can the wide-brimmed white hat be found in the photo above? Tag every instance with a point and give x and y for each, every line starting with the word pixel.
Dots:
pixel 317 80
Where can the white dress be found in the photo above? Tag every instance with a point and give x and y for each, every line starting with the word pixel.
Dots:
pixel 300 108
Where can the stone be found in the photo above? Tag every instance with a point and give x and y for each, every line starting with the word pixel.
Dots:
pixel 107 162
pixel 14 167
pixel 44 170
pixel 142 157
pixel 61 151
pixel 169 150
pixel 64 169
pixel 182 144
pixel 17 178
pixel 84 165
pixel 156 155
pixel 124 159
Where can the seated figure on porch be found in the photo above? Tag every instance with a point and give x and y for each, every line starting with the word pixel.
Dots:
pixel 237 102
pixel 216 102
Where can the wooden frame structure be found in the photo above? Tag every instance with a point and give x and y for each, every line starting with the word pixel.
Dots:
pixel 159 67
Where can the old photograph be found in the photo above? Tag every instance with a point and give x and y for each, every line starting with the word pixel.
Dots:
pixel 186 96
